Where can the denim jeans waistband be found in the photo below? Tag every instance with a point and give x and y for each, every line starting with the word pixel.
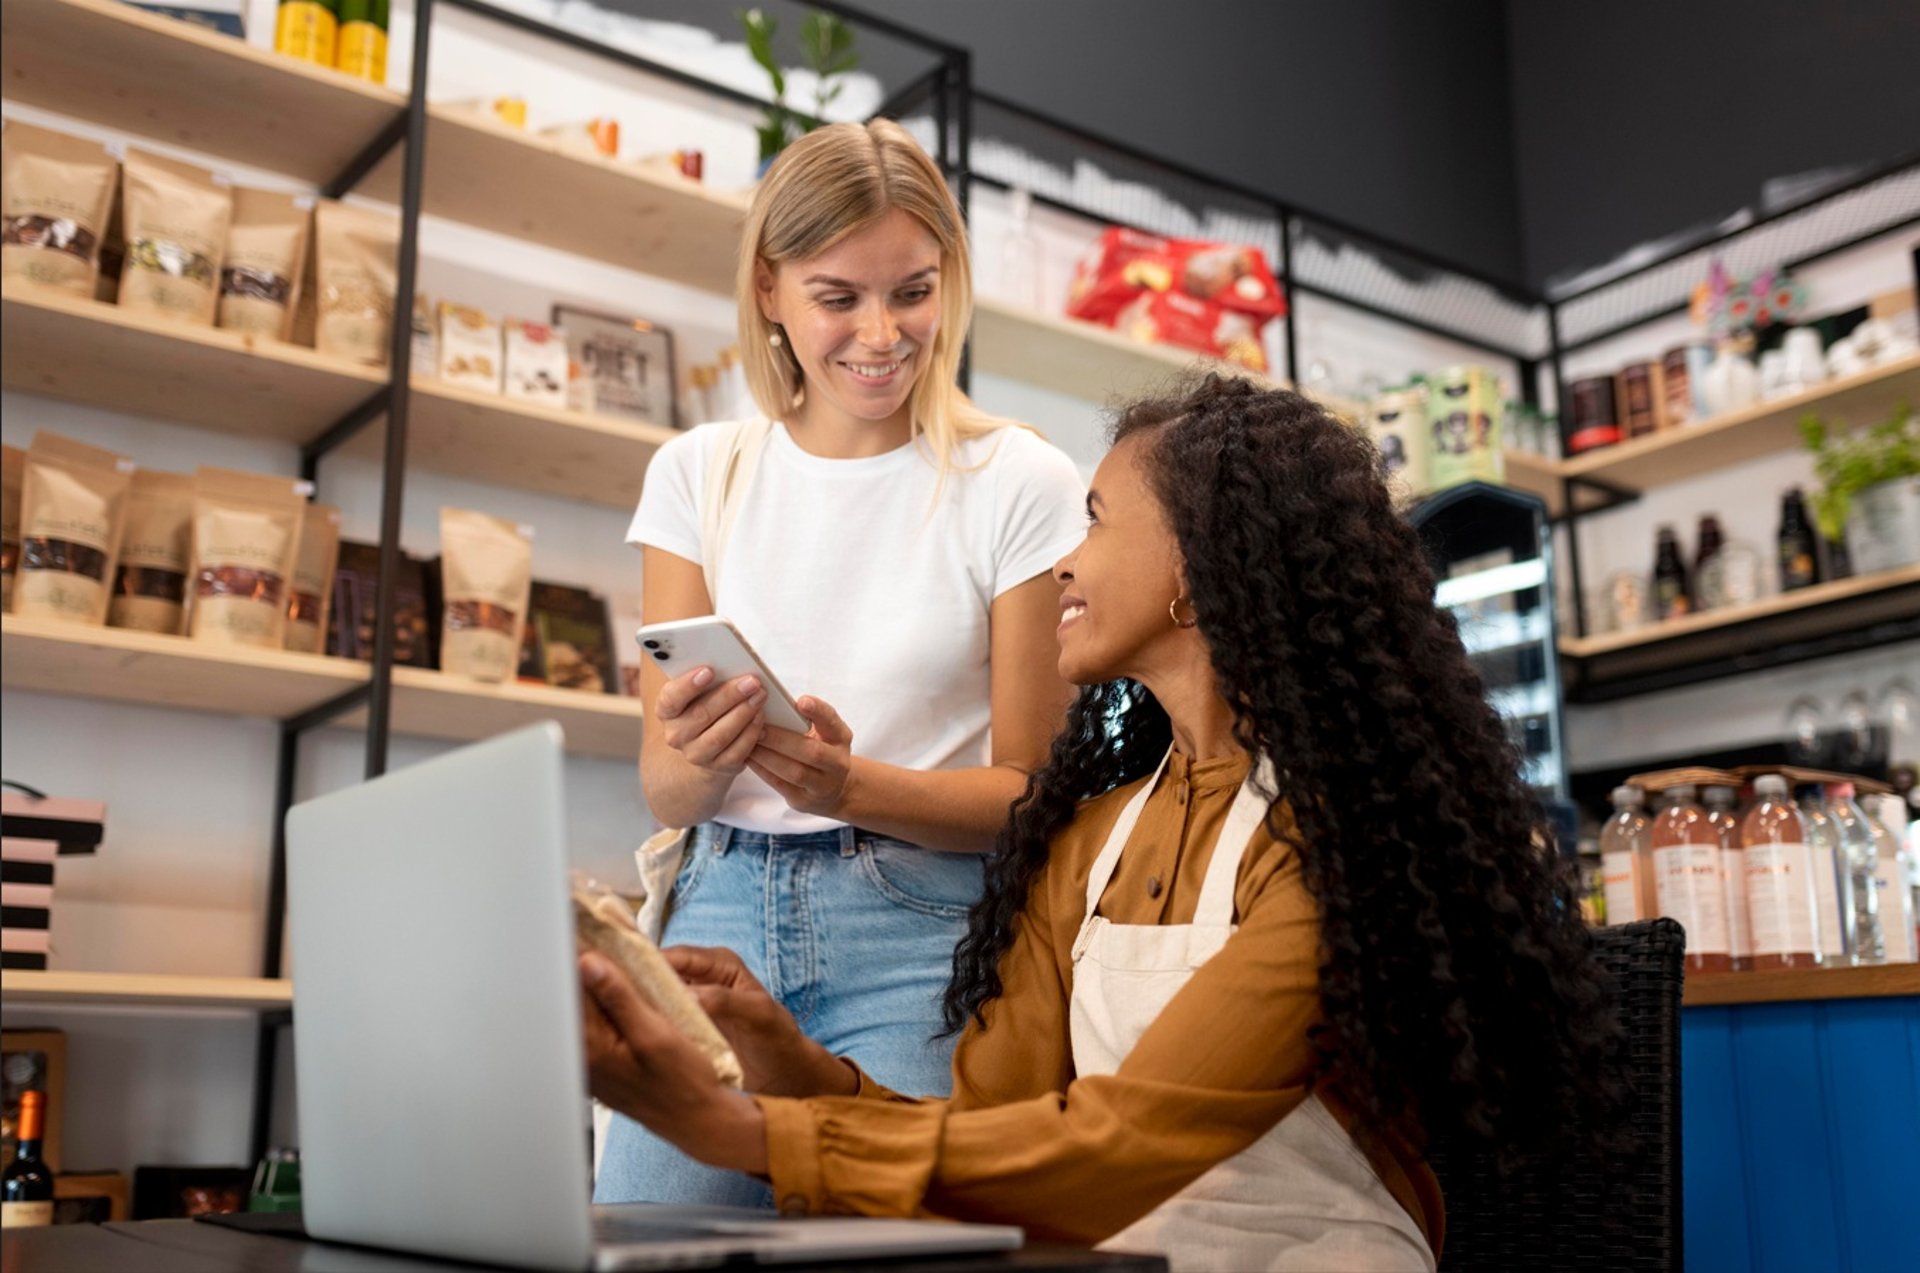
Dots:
pixel 720 837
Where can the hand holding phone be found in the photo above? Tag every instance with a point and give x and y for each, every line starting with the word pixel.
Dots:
pixel 683 645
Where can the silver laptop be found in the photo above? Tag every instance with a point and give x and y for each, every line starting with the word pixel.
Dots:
pixel 440 1068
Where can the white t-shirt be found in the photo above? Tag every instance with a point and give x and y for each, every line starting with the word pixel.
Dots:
pixel 857 587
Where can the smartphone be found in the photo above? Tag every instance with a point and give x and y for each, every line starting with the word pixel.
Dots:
pixel 710 641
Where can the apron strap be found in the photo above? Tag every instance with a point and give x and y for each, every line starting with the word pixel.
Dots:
pixel 1103 866
pixel 1215 910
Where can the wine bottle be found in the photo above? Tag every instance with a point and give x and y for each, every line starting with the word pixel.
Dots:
pixel 1799 549
pixel 363 39
pixel 26 1198
pixel 1672 591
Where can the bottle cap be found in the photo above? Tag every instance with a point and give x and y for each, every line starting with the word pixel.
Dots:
pixel 1770 785
pixel 1841 791
pixel 1627 796
pixel 1685 792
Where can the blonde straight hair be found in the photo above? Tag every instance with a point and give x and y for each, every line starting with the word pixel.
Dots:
pixel 830 183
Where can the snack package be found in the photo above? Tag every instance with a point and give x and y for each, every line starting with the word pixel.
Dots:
pixel 13 465
pixel 175 217
pixel 150 586
pixel 73 507
pixel 486 575
pixel 603 923
pixel 356 255
pixel 536 364
pixel 246 545
pixel 511 111
pixel 597 138
pixel 1127 263
pixel 1398 424
pixel 266 262
pixel 349 626
pixel 313 580
pixel 1207 327
pixel 469 348
pixel 568 641
pixel 56 194
pixel 1466 417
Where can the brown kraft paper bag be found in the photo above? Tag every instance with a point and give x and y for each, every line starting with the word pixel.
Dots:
pixel 486 577
pixel 266 261
pixel 150 586
pixel 175 217
pixel 56 192
pixel 73 507
pixel 13 463
pixel 313 580
pixel 355 257
pixel 246 545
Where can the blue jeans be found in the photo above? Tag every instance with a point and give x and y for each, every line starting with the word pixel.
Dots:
pixel 852 932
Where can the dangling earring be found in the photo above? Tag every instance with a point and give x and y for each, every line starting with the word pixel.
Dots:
pixel 1173 612
pixel 774 339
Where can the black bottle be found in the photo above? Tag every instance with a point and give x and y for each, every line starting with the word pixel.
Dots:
pixel 1799 543
pixel 1672 592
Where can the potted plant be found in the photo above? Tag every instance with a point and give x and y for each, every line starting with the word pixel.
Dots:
pixel 826 43
pixel 1869 489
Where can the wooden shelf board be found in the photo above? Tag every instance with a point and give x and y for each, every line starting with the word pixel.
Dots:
pixel 483 173
pixel 1800 984
pixel 87 351
pixel 156 77
pixel 1785 603
pixel 167 671
pixel 1536 475
pixel 493 439
pixel 1766 429
pixel 433 704
pixel 146 990
pixel 1067 355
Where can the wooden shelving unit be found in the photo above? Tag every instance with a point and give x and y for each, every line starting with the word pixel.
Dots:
pixel 1786 603
pixel 435 705
pixel 168 671
pixel 488 175
pixel 1767 429
pixel 96 353
pixel 172 671
pixel 1801 984
pixel 144 990
pixel 160 78
pixel 87 351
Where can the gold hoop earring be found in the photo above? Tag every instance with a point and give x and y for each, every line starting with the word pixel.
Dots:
pixel 1173 612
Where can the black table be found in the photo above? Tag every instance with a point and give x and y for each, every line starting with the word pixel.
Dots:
pixel 185 1246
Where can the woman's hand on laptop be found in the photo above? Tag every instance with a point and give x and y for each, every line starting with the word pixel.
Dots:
pixel 640 1065
pixel 810 771
pixel 777 1057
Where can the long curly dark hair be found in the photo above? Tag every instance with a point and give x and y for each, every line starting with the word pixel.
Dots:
pixel 1457 981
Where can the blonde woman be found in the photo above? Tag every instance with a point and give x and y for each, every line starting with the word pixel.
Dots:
pixel 888 557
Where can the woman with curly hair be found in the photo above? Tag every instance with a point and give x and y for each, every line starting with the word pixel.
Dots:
pixel 1276 912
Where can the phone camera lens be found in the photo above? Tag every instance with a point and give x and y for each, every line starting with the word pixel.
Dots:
pixel 661 655
pixel 651 645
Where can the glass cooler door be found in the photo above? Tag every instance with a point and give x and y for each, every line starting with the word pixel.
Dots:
pixel 1492 554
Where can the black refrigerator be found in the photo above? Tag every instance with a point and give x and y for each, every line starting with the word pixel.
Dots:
pixel 1492 553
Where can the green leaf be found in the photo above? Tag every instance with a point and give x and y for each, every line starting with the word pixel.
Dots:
pixel 760 28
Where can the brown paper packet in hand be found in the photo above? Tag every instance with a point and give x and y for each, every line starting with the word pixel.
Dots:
pixel 73 505
pixel 603 922
pixel 150 582
pixel 246 546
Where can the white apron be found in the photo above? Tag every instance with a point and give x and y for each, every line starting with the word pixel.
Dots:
pixel 1302 1197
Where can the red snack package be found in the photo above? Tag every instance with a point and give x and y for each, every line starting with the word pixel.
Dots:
pixel 1127 264
pixel 1208 327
